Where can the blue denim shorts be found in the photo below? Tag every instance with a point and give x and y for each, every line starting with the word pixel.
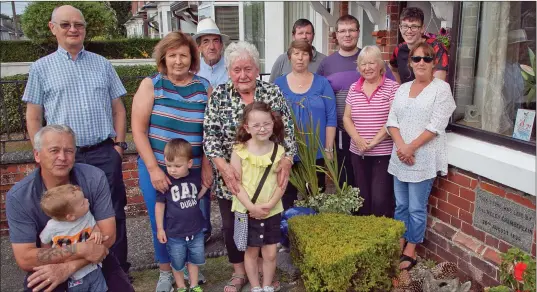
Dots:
pixel 182 251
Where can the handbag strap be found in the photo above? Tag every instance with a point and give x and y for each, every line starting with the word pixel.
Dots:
pixel 265 174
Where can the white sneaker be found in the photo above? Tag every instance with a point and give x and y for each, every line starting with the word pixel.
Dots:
pixel 165 282
pixel 268 289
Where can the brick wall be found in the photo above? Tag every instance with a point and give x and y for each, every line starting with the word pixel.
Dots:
pixel 450 235
pixel 12 173
pixel 466 58
pixel 387 39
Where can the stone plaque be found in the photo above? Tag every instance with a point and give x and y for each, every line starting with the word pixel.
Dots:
pixel 504 219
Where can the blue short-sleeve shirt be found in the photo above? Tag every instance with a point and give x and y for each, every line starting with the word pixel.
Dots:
pixel 77 93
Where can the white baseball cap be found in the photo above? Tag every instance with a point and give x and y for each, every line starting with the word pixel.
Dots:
pixel 208 26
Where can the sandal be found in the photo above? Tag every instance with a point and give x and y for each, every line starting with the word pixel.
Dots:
pixel 232 287
pixel 275 283
pixel 405 258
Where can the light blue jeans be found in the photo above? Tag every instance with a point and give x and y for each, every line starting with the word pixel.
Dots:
pixel 411 207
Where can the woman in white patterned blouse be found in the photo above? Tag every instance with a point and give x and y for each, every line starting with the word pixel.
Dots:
pixel 417 122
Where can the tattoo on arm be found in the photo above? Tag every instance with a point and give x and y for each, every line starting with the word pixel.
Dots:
pixel 53 255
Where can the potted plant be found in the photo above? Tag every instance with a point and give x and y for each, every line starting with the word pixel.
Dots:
pixel 345 199
pixel 313 199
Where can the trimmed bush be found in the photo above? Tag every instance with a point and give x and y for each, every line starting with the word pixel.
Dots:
pixel 27 51
pixel 13 109
pixel 337 252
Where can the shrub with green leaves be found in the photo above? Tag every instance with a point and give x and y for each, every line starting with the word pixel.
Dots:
pixel 337 252
pixel 13 108
pixel 27 51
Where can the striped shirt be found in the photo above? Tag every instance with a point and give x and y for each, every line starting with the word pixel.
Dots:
pixel 77 93
pixel 178 112
pixel 369 114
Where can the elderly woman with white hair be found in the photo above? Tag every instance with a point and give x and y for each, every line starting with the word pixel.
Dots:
pixel 366 112
pixel 222 118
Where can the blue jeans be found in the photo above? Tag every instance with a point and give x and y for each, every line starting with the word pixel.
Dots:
pixel 183 251
pixel 150 196
pixel 411 207
pixel 93 281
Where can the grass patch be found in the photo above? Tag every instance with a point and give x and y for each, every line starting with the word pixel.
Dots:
pixel 216 270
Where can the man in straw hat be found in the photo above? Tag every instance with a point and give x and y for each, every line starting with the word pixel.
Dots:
pixel 211 45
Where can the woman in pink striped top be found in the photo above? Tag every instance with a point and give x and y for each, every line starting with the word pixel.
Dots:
pixel 366 112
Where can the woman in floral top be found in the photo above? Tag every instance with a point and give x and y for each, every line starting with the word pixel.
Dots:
pixel 222 117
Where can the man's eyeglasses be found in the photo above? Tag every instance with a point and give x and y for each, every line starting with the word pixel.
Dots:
pixel 258 127
pixel 417 59
pixel 413 28
pixel 345 31
pixel 76 25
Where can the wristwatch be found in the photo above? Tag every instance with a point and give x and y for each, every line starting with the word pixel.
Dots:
pixel 123 145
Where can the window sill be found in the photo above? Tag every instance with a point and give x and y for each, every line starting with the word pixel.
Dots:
pixel 509 167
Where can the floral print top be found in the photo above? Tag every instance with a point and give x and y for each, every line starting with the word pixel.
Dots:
pixel 223 116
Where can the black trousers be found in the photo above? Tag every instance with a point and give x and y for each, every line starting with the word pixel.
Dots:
pixel 228 219
pixel 344 157
pixel 105 157
pixel 291 192
pixel 116 279
pixel 375 183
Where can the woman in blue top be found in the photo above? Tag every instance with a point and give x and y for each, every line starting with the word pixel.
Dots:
pixel 312 99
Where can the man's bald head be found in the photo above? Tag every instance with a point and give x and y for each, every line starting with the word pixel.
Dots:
pixel 64 9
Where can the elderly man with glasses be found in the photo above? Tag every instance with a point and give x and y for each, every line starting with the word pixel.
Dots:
pixel 412 30
pixel 82 90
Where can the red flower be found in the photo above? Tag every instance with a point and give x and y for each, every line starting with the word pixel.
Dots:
pixel 519 271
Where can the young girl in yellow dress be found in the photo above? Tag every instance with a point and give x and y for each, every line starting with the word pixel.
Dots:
pixel 259 133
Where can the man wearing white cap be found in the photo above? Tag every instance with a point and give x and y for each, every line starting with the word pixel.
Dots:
pixel 211 44
pixel 213 68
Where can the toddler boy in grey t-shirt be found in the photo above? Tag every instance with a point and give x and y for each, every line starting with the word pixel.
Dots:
pixel 72 222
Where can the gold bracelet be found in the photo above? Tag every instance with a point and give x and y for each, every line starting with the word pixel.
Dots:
pixel 290 159
pixel 328 150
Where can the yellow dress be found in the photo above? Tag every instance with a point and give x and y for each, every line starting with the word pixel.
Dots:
pixel 253 167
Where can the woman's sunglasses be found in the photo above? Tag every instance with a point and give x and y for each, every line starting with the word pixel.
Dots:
pixel 417 59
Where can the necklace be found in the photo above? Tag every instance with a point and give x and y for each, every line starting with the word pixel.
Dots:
pixel 299 80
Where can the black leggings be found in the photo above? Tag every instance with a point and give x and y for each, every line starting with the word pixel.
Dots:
pixel 234 255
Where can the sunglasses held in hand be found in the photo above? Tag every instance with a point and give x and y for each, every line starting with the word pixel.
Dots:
pixel 417 59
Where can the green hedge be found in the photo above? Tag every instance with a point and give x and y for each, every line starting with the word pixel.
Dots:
pixel 13 120
pixel 27 51
pixel 337 252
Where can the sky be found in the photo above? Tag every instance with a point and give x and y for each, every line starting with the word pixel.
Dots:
pixel 5 8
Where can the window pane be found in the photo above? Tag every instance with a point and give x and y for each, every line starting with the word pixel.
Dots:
pixel 227 20
pixel 491 86
pixel 254 28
